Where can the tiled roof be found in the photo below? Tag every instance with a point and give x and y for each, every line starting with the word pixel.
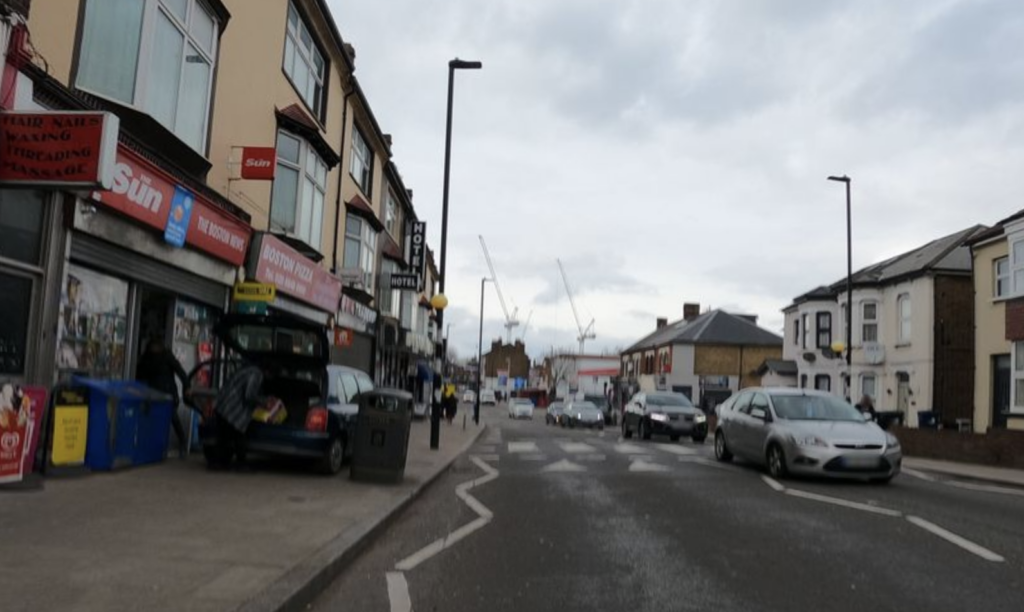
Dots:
pixel 714 327
pixel 783 367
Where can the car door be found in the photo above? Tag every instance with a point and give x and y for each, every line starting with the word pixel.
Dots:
pixel 734 423
pixel 758 419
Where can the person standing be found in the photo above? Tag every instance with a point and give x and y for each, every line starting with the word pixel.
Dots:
pixel 234 406
pixel 158 369
pixel 867 405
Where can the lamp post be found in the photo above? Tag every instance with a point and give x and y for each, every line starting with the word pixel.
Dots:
pixel 849 279
pixel 479 356
pixel 439 302
pixel 453 65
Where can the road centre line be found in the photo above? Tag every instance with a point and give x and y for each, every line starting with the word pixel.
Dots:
pixel 843 502
pixel 398 592
pixel 953 538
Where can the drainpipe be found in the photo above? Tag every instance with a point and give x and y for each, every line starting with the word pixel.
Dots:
pixel 341 174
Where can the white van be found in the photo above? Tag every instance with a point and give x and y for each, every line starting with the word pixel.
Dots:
pixel 487 397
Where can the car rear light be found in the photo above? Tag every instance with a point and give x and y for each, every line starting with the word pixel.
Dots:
pixel 316 419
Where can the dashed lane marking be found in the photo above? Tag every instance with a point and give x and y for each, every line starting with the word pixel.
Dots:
pixel 630 449
pixel 645 466
pixel 577 447
pixel 843 502
pixel 522 447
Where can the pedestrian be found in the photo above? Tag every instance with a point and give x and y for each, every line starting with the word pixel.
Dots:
pixel 157 369
pixel 235 403
pixel 450 403
pixel 867 406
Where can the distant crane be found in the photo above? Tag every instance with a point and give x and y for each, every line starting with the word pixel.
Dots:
pixel 526 326
pixel 510 319
pixel 586 333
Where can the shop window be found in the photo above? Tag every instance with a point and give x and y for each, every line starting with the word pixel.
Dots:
pixel 360 248
pixel 300 185
pixel 21 225
pixel 155 55
pixel 93 324
pixel 16 305
pixel 362 162
pixel 304 63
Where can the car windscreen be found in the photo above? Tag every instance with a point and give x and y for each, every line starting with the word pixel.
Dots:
pixel 277 340
pixel 814 408
pixel 585 407
pixel 556 407
pixel 598 400
pixel 668 402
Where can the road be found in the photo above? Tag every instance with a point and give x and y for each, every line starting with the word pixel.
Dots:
pixel 582 520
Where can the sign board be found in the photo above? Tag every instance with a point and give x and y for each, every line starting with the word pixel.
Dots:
pixel 355 315
pixel 417 255
pixel 874 353
pixel 343 337
pixel 58 149
pixel 177 220
pixel 295 275
pixel 254 292
pixel 70 427
pixel 21 416
pixel 405 281
pixel 258 163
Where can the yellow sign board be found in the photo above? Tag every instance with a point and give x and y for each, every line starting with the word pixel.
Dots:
pixel 255 292
pixel 70 426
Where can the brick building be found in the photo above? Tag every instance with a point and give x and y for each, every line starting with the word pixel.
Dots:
pixel 508 359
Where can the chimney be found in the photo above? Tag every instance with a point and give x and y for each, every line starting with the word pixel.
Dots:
pixel 662 322
pixel 751 318
pixel 691 310
pixel 350 51
pixel 387 139
pixel 408 192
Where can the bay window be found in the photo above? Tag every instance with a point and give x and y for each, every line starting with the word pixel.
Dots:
pixel 154 55
pixel 304 64
pixel 362 162
pixel 360 248
pixel 1001 277
pixel 1017 266
pixel 806 324
pixel 300 184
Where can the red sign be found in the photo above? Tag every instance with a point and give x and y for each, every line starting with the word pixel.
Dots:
pixel 65 149
pixel 144 192
pixel 342 337
pixel 21 417
pixel 258 163
pixel 295 275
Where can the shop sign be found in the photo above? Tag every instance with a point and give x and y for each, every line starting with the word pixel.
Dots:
pixel 343 337
pixel 417 255
pixel 58 149
pixel 143 192
pixel 295 275
pixel 70 426
pixel 21 417
pixel 181 213
pixel 404 281
pixel 360 316
pixel 258 163
pixel 255 292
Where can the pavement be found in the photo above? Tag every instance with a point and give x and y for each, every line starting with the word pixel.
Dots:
pixel 547 519
pixel 970 471
pixel 177 537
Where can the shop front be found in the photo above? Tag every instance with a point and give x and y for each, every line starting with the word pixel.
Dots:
pixel 304 289
pixel 355 339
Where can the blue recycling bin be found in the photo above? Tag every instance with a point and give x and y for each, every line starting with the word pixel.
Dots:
pixel 129 424
pixel 928 419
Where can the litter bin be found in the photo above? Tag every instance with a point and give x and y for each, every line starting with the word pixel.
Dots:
pixel 381 441
pixel 886 419
pixel 128 424
pixel 928 419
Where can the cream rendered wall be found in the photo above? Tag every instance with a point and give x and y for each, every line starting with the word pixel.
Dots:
pixel 917 357
pixel 52 25
pixel 989 328
pixel 682 369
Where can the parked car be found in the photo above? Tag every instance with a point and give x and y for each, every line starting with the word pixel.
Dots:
pixel 663 413
pixel 582 414
pixel 554 413
pixel 801 431
pixel 468 396
pixel 487 397
pixel 319 399
pixel 520 408
pixel 602 403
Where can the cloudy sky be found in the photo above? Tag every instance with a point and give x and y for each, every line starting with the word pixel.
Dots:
pixel 676 150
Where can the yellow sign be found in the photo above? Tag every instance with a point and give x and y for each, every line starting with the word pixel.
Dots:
pixel 70 425
pixel 255 292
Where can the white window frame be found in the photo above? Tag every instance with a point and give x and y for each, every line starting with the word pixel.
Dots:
pixel 805 320
pixel 311 188
pixel 904 321
pixel 1017 267
pixel 143 72
pixel 1017 377
pixel 308 54
pixel 390 215
pixel 361 167
pixel 367 237
pixel 874 385
pixel 866 322
pixel 1001 280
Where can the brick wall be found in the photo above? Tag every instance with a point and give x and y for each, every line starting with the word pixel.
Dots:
pixel 724 360
pixel 513 356
pixel 1015 320
pixel 953 380
pixel 999 447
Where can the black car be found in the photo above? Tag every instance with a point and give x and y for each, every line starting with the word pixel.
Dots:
pixel 604 406
pixel 663 413
pixel 582 414
pixel 554 413
pixel 319 399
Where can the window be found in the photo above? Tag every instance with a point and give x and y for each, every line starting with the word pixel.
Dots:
pixel 742 403
pixel 868 385
pixel 362 162
pixel 167 74
pixel 1018 375
pixel 806 323
pixel 1017 267
pixel 822 382
pixel 300 182
pixel 823 326
pixel 869 322
pixel 360 248
pixel 903 306
pixel 796 332
pixel 22 223
pixel 304 64
pixel 389 213
pixel 1001 277
pixel 803 381
pixel 389 300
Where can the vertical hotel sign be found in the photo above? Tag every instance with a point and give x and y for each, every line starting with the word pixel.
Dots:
pixel 417 255
pixel 58 149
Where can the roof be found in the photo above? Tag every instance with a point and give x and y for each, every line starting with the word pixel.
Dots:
pixel 714 327
pixel 391 251
pixel 359 207
pixel 294 119
pixel 783 367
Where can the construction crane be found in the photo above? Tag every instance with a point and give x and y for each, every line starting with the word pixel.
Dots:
pixel 510 319
pixel 526 326
pixel 586 333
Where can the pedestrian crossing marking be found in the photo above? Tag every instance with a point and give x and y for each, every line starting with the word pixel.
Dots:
pixel 629 449
pixel 533 457
pixel 522 447
pixel 577 447
pixel 645 466
pixel 590 457
pixel 564 466
pixel 676 449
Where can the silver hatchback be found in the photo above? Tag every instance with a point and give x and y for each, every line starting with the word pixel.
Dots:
pixel 800 431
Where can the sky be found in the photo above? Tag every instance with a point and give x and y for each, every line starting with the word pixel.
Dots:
pixel 672 151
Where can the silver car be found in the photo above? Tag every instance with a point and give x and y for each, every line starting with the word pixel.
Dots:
pixel 800 431
pixel 520 408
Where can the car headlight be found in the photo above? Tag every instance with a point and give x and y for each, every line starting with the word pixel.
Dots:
pixel 658 416
pixel 810 441
pixel 700 417
pixel 891 441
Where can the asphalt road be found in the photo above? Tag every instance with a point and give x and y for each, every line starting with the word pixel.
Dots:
pixel 586 521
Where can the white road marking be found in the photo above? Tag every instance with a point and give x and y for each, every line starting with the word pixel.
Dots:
pixel 953 538
pixel 577 447
pixel 533 457
pixel 398 592
pixel 590 457
pixel 984 487
pixel 917 474
pixel 843 502
pixel 564 466
pixel 522 447
pixel 488 457
pixel 630 449
pixel 675 449
pixel 462 492
pixel 771 482
pixel 645 466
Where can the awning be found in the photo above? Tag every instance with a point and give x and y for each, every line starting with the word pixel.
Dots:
pixel 424 371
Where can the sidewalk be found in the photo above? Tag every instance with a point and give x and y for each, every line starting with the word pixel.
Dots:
pixel 967 470
pixel 177 537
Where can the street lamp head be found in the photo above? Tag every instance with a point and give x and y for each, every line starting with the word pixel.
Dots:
pixel 841 179
pixel 458 64
pixel 439 301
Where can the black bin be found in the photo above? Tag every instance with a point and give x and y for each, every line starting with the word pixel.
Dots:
pixel 381 442
pixel 887 419
pixel 928 419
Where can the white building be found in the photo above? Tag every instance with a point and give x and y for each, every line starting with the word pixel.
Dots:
pixel 573 374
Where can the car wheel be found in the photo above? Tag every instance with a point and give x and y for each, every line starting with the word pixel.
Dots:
pixel 333 458
pixel 627 433
pixel 645 431
pixel 776 462
pixel 721 448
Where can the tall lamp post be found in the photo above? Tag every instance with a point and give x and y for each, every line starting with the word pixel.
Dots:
pixel 453 65
pixel 479 356
pixel 849 281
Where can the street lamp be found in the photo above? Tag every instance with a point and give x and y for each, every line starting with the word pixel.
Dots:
pixel 453 65
pixel 479 356
pixel 849 279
